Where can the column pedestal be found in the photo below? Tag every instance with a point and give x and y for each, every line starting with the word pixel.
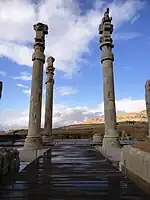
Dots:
pixel 33 142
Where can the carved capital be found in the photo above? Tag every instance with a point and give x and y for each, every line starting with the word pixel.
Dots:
pixel 105 30
pixel 38 56
pixel 41 27
pixel 50 81
pixel 50 61
pixel 39 41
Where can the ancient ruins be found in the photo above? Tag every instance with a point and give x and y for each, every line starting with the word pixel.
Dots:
pixel 47 169
pixel 33 139
pixel 49 99
pixel 111 137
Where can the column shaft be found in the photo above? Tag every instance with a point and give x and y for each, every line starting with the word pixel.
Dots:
pixel 33 139
pixel 147 101
pixel 109 96
pixel 49 100
pixel 36 99
pixel 111 137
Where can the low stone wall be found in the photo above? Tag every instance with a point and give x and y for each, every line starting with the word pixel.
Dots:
pixel 9 160
pixel 136 165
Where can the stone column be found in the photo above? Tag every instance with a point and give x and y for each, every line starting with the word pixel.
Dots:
pixel 1 88
pixel 147 101
pixel 33 139
pixel 49 100
pixel 111 137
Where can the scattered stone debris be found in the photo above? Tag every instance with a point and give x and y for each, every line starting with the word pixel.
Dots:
pixel 9 160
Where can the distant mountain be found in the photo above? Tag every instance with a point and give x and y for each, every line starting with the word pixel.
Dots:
pixel 121 117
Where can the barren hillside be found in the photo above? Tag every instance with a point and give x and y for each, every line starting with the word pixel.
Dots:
pixel 133 116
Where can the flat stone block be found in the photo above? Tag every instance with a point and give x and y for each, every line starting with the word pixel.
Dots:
pixel 97 138
pixel 112 154
pixel 28 155
pixel 110 142
pixel 32 142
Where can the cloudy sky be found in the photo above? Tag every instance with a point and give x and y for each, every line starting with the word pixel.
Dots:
pixel 73 40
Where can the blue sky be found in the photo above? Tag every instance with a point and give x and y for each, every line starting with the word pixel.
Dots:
pixel 74 42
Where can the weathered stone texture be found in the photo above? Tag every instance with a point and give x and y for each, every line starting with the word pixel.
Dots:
pixel 49 99
pixel 9 160
pixel 111 137
pixel 97 138
pixel 137 165
pixel 33 139
pixel 147 100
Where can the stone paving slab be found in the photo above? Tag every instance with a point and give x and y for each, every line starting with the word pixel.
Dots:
pixel 71 172
pixel 28 155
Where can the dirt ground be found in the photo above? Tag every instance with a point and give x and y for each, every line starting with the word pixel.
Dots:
pixel 143 146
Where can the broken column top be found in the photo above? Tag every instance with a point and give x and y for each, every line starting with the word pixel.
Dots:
pixel 106 23
pixel 147 85
pixel 106 17
pixel 50 61
pixel 105 30
pixel 41 27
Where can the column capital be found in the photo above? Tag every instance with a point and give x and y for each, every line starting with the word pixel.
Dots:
pixel 38 56
pixel 105 30
pixel 41 27
pixel 50 61
pixel 50 70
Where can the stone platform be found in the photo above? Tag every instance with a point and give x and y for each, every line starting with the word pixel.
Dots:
pixel 71 172
pixel 111 154
pixel 28 155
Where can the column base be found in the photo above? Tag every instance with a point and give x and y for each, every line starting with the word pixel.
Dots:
pixel 98 138
pixel 110 142
pixel 32 142
pixel 148 137
pixel 46 139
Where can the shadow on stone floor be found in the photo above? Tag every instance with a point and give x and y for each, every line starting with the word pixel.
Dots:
pixel 71 172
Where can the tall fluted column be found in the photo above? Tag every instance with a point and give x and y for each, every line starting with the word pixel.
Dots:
pixel 111 137
pixel 147 100
pixel 33 139
pixel 49 99
pixel 1 88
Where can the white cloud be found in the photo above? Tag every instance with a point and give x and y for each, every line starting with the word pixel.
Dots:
pixel 66 90
pixel 25 76
pixel 70 32
pixel 65 115
pixel 135 18
pixel 3 73
pixel 126 36
pixel 21 85
pixel 28 92
pixel 128 105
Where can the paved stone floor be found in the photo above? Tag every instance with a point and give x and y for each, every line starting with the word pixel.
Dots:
pixel 73 173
